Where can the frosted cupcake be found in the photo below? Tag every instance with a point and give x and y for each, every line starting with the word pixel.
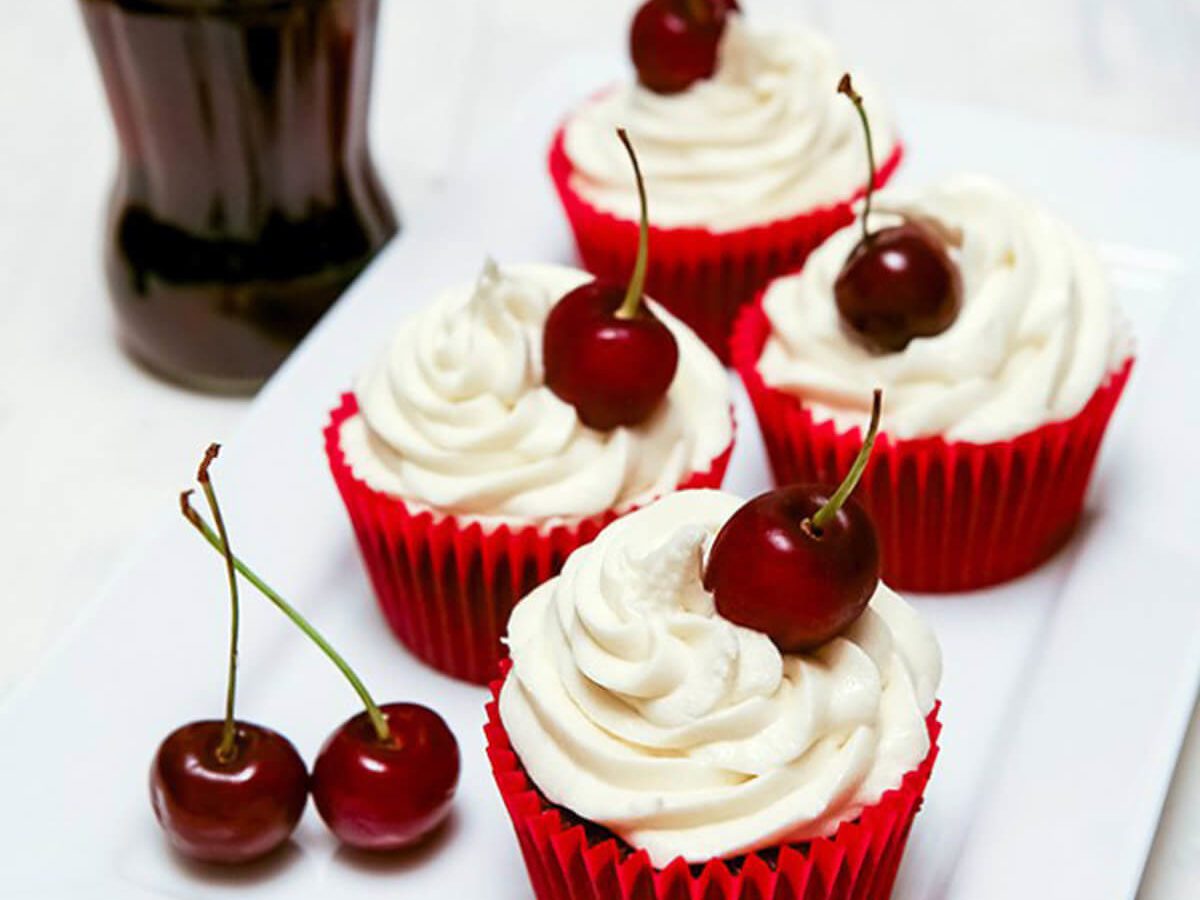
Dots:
pixel 509 422
pixel 469 481
pixel 749 167
pixel 647 745
pixel 999 390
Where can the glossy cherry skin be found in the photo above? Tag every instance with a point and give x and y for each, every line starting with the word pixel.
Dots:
pixel 231 812
pixel 674 42
pixel 899 283
pixel 614 371
pixel 377 796
pixel 770 572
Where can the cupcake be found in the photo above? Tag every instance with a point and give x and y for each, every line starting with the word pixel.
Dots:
pixel 992 330
pixel 647 745
pixel 748 168
pixel 469 481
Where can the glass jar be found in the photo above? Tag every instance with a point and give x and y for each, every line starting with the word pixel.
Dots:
pixel 246 199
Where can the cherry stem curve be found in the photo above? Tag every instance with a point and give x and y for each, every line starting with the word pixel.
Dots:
pixel 382 730
pixel 227 749
pixel 637 283
pixel 825 514
pixel 845 86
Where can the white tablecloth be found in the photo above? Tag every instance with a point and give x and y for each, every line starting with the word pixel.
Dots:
pixel 90 446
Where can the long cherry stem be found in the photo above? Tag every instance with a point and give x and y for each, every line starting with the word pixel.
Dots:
pixel 382 731
pixel 637 283
pixel 825 514
pixel 845 86
pixel 227 749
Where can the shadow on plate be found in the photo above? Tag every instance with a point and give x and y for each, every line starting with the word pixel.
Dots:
pixel 271 866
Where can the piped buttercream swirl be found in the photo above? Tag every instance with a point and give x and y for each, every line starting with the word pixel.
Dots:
pixel 1037 334
pixel 456 415
pixel 634 704
pixel 766 138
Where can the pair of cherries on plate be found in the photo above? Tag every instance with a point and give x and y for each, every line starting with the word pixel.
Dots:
pixel 227 791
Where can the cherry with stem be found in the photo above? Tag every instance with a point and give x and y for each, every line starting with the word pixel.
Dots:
pixel 799 563
pixel 675 43
pixel 386 778
pixel 604 350
pixel 898 283
pixel 228 791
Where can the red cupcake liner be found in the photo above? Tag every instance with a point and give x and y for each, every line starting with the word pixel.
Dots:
pixel 570 860
pixel 951 515
pixel 447 586
pixel 703 277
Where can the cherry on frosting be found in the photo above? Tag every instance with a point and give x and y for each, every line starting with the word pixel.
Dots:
pixel 898 283
pixel 799 563
pixel 604 351
pixel 674 43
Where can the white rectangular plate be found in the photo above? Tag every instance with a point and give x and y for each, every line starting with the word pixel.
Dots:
pixel 1065 693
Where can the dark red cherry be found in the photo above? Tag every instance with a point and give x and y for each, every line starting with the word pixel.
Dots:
pixel 384 795
pixel 771 572
pixel 227 811
pixel 898 283
pixel 674 43
pixel 603 350
pixel 226 791
pixel 799 563
pixel 613 370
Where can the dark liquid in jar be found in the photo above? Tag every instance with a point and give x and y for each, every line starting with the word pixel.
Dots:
pixel 246 199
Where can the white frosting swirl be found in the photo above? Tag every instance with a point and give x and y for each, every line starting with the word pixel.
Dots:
pixel 456 415
pixel 766 138
pixel 1037 334
pixel 634 704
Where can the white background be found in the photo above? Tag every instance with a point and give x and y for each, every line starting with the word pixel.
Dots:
pixel 91 447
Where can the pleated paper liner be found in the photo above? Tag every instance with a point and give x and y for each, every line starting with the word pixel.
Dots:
pixel 951 515
pixel 447 586
pixel 572 860
pixel 703 277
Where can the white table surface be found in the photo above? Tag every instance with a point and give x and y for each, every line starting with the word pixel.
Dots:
pixel 91 447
